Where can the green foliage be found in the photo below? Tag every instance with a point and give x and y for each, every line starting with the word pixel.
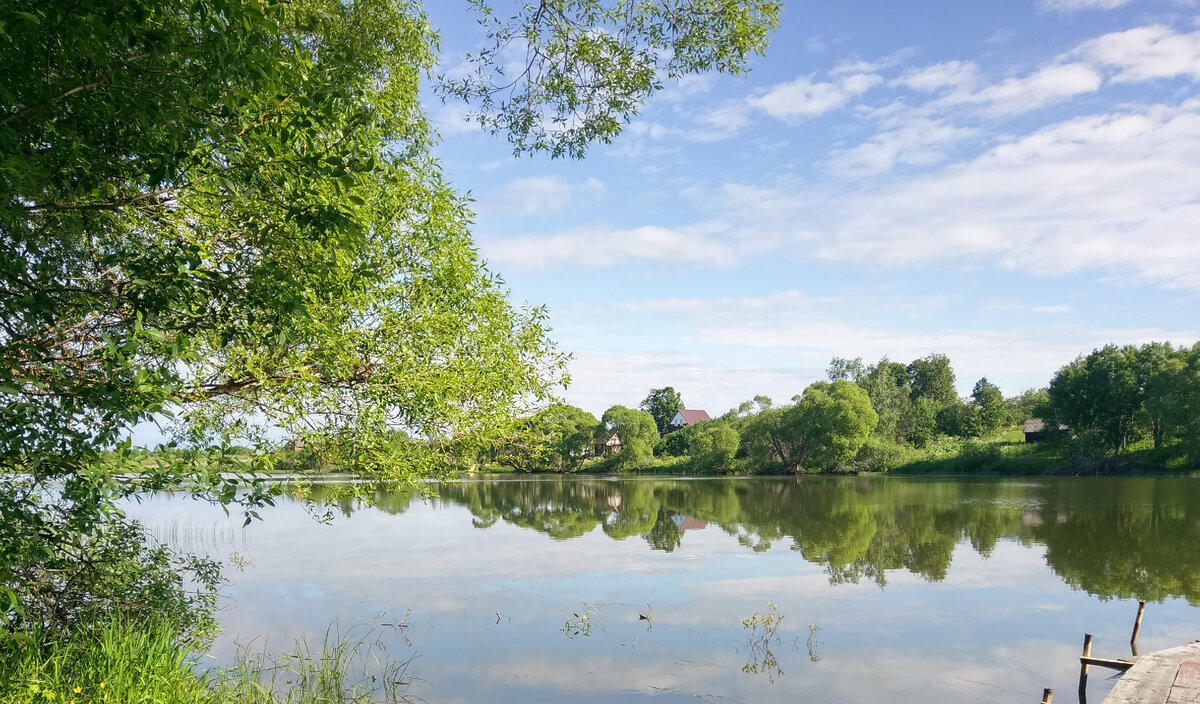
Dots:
pixel 713 446
pixel 990 401
pixel 148 662
pixel 228 213
pixel 932 378
pixel 761 634
pixel 839 419
pixel 556 439
pixel 590 64
pixel 1099 397
pixel 887 384
pixel 265 241
pixel 117 662
pixel 1031 403
pixel 919 421
pixel 959 419
pixel 637 432
pixel 677 442
pixel 821 432
pixel 846 369
pixel 662 404
pixel 1160 370
pixel 65 568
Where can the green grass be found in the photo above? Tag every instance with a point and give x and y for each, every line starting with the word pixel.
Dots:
pixel 124 664
pixel 116 664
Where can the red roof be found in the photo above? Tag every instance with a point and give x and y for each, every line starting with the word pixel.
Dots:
pixel 692 417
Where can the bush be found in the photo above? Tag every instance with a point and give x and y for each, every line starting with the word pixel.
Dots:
pixel 66 569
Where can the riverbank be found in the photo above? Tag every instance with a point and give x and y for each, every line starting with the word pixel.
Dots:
pixel 154 662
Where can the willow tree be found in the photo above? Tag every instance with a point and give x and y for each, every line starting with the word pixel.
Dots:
pixel 231 212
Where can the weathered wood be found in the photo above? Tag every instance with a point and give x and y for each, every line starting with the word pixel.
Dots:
pixel 1083 665
pixel 1137 627
pixel 1121 664
pixel 1159 677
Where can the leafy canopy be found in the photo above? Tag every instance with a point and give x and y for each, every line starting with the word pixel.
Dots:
pixel 230 212
pixel 663 404
pixel 558 75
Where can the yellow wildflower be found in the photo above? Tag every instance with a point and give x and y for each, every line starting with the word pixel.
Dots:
pixel 78 689
pixel 101 685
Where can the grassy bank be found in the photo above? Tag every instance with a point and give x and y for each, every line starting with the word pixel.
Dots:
pixel 122 663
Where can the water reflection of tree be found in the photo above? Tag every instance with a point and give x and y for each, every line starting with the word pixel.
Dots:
pixel 1126 538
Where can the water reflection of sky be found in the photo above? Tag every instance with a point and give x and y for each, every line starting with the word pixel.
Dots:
pixel 488 608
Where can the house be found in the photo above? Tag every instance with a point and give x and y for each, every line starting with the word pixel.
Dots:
pixel 687 417
pixel 608 445
pixel 1036 431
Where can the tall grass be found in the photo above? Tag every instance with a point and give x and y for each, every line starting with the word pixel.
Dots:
pixel 128 664
pixel 117 664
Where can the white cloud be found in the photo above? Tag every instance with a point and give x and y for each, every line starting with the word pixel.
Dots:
pixel 949 74
pixel 540 195
pixel 918 142
pixel 686 87
pixel 1105 192
pixel 534 195
pixel 601 378
pixel 1111 193
pixel 804 331
pixel 1047 85
pixel 804 97
pixel 1077 5
pixel 722 122
pixel 1146 53
pixel 602 247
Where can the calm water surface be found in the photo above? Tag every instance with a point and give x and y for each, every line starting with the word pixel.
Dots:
pixel 943 590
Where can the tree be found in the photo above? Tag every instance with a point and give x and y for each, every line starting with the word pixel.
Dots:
pixel 1099 396
pixel 637 433
pixel 838 420
pixel 590 64
pixel 1188 397
pixel 556 439
pixel 230 212
pixel 990 402
pixel 887 384
pixel 713 446
pixel 958 419
pixel 1159 367
pixel 820 432
pixel 662 404
pixel 932 378
pixel 920 421
pixel 1031 403
pixel 841 369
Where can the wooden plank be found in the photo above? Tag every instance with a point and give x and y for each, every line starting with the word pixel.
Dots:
pixel 1118 664
pixel 1150 681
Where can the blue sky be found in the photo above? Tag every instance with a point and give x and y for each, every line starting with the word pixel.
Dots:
pixel 1011 183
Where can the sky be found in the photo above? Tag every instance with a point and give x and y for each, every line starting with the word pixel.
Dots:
pixel 1011 183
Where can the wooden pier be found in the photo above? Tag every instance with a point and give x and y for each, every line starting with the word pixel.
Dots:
pixel 1164 677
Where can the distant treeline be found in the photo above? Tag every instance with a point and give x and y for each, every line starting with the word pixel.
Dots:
pixel 876 417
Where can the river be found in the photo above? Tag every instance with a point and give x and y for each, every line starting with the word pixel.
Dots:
pixel 533 589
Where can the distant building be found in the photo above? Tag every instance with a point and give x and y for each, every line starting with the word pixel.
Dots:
pixel 687 417
pixel 608 445
pixel 1036 430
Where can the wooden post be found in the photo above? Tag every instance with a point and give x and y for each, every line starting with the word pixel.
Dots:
pixel 1137 628
pixel 1047 696
pixel 1083 666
